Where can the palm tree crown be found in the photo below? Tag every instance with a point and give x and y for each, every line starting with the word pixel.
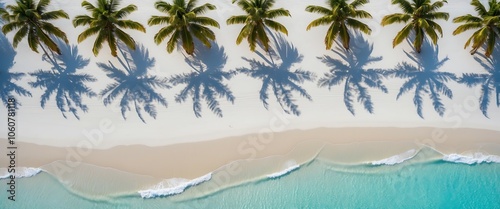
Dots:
pixel 486 23
pixel 420 16
pixel 106 21
pixel 259 17
pixel 340 15
pixel 182 23
pixel 32 20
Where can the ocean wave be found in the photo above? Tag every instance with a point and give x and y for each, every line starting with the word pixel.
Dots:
pixel 283 172
pixel 475 158
pixel 396 159
pixel 172 187
pixel 20 172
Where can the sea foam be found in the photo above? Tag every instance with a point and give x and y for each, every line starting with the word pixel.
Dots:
pixel 290 166
pixel 396 159
pixel 172 187
pixel 21 172
pixel 475 158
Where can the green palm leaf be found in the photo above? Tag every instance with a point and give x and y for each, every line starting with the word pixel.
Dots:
pixel 419 17
pixel 182 23
pixel 341 17
pixel 32 20
pixel 259 17
pixel 486 26
pixel 107 21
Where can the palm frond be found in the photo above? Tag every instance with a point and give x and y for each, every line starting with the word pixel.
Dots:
pixel 405 5
pixel 402 35
pixel 276 26
pixel 318 9
pixel 395 18
pixel 123 12
pixel 163 33
pixel 241 19
pixel 271 14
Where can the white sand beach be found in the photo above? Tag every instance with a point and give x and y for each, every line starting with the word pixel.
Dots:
pixel 178 144
pixel 308 140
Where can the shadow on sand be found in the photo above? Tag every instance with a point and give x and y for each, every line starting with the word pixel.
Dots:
pixel 63 80
pixel 2 12
pixel 132 82
pixel 489 81
pixel 8 86
pixel 423 77
pixel 275 71
pixel 351 72
pixel 206 81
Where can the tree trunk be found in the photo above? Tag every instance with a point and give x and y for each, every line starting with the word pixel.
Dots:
pixel 51 59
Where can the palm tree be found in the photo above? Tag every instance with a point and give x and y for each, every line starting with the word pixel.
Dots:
pixel 278 76
pixel 107 21
pixel 9 80
pixel 489 82
pixel 32 20
pixel 63 81
pixel 486 23
pixel 419 16
pixel 133 83
pixel 340 16
pixel 350 71
pixel 425 78
pixel 206 80
pixel 182 23
pixel 259 17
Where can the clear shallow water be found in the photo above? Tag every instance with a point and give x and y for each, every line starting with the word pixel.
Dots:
pixel 416 183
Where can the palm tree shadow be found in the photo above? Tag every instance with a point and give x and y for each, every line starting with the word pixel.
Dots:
pixel 8 86
pixel 489 81
pixel 275 71
pixel 206 80
pixel 351 69
pixel 423 77
pixel 132 82
pixel 64 81
pixel 2 6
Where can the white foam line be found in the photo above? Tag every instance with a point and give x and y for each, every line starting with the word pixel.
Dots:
pixel 161 191
pixel 475 158
pixel 396 159
pixel 20 172
pixel 283 172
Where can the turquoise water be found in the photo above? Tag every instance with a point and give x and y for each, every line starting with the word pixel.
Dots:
pixel 317 184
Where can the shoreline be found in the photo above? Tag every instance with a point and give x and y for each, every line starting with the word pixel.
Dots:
pixel 195 159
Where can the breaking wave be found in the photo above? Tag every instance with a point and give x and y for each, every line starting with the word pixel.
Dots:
pixel 475 158
pixel 172 187
pixel 20 172
pixel 396 159
pixel 283 172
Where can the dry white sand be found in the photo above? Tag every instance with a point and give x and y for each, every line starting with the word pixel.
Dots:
pixel 177 123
